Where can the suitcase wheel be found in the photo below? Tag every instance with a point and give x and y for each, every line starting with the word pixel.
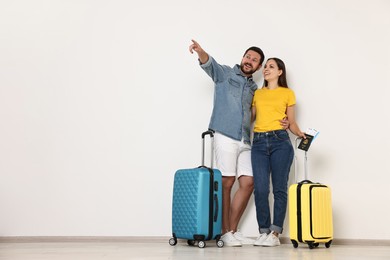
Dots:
pixel 327 245
pixel 201 244
pixel 313 244
pixel 220 243
pixel 173 241
pixel 295 243
pixel 191 242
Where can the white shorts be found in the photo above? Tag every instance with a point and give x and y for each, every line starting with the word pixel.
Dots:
pixel 232 158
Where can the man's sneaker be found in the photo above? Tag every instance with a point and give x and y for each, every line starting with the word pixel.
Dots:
pixel 260 240
pixel 229 239
pixel 271 240
pixel 244 240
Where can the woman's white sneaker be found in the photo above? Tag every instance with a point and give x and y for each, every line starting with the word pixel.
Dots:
pixel 229 239
pixel 244 240
pixel 271 240
pixel 260 239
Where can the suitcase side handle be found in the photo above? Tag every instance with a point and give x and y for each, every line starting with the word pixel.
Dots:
pixel 216 202
pixel 308 182
pixel 305 181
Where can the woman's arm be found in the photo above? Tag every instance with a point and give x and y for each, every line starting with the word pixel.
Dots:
pixel 294 128
pixel 253 116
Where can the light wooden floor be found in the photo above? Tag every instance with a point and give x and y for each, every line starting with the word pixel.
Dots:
pixel 156 249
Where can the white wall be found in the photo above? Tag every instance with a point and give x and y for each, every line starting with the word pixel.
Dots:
pixel 101 102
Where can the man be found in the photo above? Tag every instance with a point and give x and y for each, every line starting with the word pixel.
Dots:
pixel 231 121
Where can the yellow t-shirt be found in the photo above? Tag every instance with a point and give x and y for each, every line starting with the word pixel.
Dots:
pixel 271 105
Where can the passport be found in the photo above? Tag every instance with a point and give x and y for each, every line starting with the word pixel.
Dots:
pixel 305 143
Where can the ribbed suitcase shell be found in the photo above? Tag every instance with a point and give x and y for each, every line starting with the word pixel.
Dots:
pixel 193 211
pixel 310 214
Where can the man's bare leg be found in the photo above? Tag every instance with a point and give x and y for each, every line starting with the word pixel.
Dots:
pixel 227 185
pixel 240 201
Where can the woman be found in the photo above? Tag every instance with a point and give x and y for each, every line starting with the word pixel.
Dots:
pixel 272 152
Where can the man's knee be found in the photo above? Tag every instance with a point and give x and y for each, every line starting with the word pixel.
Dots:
pixel 228 182
pixel 246 183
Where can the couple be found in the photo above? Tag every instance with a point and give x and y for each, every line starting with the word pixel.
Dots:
pixel 237 103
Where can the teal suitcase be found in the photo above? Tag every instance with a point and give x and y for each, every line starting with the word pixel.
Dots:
pixel 196 204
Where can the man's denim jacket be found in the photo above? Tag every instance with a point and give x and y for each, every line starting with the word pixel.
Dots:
pixel 233 96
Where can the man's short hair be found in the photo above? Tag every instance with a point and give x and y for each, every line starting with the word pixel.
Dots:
pixel 259 51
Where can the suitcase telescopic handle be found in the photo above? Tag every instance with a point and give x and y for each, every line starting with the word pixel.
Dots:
pixel 296 161
pixel 208 132
pixel 211 133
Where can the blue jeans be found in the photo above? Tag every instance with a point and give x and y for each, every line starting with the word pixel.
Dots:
pixel 272 156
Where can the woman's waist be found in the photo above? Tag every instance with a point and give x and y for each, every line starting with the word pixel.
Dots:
pixel 271 132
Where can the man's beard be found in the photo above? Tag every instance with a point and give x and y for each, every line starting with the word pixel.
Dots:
pixel 250 72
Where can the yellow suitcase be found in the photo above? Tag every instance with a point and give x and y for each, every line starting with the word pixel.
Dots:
pixel 310 212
